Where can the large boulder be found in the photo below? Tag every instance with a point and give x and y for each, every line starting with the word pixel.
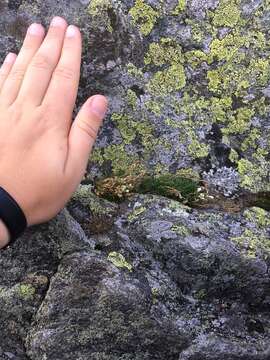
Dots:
pixel 149 278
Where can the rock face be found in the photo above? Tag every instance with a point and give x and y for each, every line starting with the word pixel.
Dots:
pixel 151 277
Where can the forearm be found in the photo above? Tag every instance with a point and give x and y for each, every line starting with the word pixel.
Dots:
pixel 4 235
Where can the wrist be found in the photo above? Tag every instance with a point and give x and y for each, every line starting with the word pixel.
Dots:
pixel 4 235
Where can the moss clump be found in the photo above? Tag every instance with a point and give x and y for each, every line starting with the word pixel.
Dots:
pixel 167 81
pixel 118 188
pixel 119 260
pixel 144 16
pixel 227 13
pixel 99 10
pixel 179 8
pixel 171 186
pixel 26 291
pixel 175 187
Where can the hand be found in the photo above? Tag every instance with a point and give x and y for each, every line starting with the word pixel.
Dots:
pixel 43 155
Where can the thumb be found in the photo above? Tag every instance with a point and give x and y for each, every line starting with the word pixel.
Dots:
pixel 83 135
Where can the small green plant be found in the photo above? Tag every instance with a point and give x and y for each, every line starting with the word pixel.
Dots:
pixel 119 188
pixel 171 186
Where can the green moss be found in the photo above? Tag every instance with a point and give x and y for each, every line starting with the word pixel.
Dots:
pixel 26 291
pixel 96 156
pixel 171 186
pixel 170 80
pixel 98 9
pixel 227 13
pixel 144 16
pixel 189 173
pixel 119 260
pixel 180 7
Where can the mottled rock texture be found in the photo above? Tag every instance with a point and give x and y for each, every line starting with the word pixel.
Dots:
pixel 150 277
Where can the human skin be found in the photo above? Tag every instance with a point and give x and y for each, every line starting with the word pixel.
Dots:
pixel 43 154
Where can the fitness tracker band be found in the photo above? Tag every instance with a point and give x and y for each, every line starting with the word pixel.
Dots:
pixel 12 215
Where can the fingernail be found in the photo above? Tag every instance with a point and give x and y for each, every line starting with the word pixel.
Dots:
pixel 57 21
pixel 35 29
pixel 10 58
pixel 71 31
pixel 98 105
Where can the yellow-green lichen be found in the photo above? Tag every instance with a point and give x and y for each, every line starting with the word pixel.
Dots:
pixel 253 173
pixel 233 157
pixel 227 13
pixel 252 243
pixel 136 212
pixel 130 129
pixel 240 122
pixel 180 7
pixel 180 230
pixel 119 260
pixel 120 159
pixel 99 9
pixel 196 148
pixel 133 71
pixel 170 80
pixel 251 139
pixel 166 51
pixel 154 107
pixel 258 216
pixel 132 99
pixel 144 16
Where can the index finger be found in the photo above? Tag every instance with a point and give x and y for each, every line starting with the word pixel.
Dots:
pixel 63 88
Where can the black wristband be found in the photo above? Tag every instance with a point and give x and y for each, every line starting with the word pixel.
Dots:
pixel 12 215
